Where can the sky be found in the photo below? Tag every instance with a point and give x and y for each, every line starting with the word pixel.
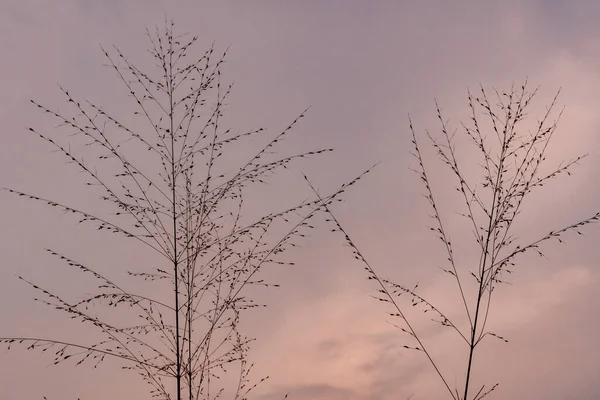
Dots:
pixel 362 68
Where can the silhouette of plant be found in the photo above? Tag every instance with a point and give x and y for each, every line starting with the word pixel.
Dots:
pixel 511 160
pixel 185 207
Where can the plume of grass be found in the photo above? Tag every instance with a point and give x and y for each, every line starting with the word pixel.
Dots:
pixel 185 207
pixel 511 161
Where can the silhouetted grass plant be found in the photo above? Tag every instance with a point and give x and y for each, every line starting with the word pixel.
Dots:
pixel 186 209
pixel 511 161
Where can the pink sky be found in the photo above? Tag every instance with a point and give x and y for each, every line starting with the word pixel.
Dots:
pixel 362 67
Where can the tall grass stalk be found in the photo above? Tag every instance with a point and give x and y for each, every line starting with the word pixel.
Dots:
pixel 511 161
pixel 183 204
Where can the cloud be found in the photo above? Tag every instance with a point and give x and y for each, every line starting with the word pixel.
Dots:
pixel 310 392
pixel 362 67
pixel 344 342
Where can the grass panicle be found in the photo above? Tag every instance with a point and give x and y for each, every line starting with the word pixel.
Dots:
pixel 511 161
pixel 182 204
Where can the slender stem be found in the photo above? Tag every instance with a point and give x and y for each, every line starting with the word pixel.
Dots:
pixel 491 226
pixel 472 344
pixel 174 218
pixel 190 286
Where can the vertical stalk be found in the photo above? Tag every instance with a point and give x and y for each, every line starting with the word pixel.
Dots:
pixel 190 283
pixel 473 333
pixel 483 263
pixel 174 211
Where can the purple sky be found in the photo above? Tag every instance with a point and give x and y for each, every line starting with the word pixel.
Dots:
pixel 362 67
